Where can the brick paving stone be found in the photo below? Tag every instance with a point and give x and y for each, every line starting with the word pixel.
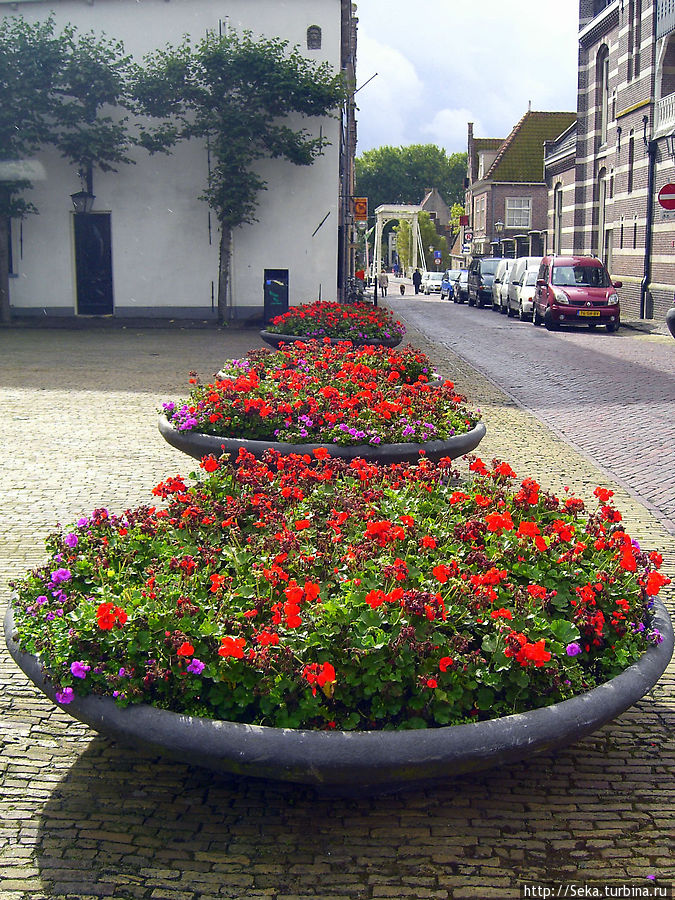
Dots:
pixel 82 817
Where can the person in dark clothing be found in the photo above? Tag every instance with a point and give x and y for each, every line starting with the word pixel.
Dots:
pixel 417 280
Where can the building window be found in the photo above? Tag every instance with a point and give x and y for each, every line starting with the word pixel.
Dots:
pixel 557 218
pixel 631 160
pixel 479 210
pixel 602 75
pixel 313 37
pixel 602 211
pixel 518 212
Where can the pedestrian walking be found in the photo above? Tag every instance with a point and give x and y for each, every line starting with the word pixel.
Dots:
pixel 383 281
pixel 417 280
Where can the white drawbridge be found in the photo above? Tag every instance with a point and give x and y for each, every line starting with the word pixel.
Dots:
pixel 394 213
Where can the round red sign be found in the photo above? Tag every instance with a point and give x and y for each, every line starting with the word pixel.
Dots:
pixel 667 196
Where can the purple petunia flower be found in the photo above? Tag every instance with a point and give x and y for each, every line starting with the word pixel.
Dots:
pixel 70 540
pixel 573 649
pixel 41 600
pixel 79 669
pixel 61 575
pixel 82 522
pixel 65 696
pixel 196 666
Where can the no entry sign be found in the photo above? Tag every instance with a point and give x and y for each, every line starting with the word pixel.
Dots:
pixel 667 196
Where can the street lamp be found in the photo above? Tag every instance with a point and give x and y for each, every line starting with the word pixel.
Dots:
pixel 83 201
pixel 499 228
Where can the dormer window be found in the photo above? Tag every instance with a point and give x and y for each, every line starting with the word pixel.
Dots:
pixel 313 37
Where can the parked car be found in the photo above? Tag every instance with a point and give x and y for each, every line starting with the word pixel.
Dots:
pixel 504 289
pixel 575 290
pixel 448 282
pixel 481 276
pixel 432 283
pixel 525 296
pixel 461 287
pixel 501 276
pixel 520 266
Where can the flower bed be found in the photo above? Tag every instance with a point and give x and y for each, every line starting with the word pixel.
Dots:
pixel 342 596
pixel 356 322
pixel 318 393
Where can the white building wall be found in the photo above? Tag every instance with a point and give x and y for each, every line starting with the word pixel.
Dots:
pixel 164 240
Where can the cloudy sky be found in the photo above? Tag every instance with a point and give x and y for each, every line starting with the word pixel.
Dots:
pixel 443 63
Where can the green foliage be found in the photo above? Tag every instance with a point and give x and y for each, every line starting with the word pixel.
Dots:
pixel 402 174
pixel 31 57
pixel 93 78
pixel 236 93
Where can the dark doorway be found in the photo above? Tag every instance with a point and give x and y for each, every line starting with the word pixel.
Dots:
pixel 93 264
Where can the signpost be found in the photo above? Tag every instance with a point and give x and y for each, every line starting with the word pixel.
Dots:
pixel 666 200
pixel 667 196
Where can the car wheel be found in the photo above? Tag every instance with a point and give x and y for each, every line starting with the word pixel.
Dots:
pixel 536 318
pixel 549 321
pixel 612 326
pixel 503 309
pixel 521 313
pixel 510 311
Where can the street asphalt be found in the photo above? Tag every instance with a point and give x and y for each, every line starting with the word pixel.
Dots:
pixel 82 817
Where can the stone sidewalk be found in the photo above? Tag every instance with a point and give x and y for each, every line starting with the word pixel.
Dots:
pixel 81 817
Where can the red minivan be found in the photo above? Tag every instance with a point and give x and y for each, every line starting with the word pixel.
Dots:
pixel 575 290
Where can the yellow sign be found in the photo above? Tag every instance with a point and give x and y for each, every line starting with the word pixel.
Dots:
pixel 360 209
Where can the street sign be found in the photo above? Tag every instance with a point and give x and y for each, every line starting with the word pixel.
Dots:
pixel 360 209
pixel 468 235
pixel 466 248
pixel 667 196
pixel 437 255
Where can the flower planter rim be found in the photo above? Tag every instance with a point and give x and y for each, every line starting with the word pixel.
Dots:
pixel 275 338
pixel 363 758
pixel 202 444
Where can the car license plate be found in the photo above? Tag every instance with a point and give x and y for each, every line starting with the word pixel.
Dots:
pixel 589 312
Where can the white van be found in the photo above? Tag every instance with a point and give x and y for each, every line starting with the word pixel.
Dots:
pixel 521 265
pixel 501 280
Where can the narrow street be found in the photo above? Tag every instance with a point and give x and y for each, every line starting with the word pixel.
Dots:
pixel 611 396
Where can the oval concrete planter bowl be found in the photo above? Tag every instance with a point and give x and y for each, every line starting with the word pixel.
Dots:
pixel 670 320
pixel 274 339
pixel 196 444
pixel 350 760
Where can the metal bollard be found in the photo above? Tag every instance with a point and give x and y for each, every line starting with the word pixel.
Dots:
pixel 402 288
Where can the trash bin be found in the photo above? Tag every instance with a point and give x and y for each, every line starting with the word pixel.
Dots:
pixel 402 288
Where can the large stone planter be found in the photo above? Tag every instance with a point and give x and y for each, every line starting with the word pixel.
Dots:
pixel 670 320
pixel 197 445
pixel 274 340
pixel 349 761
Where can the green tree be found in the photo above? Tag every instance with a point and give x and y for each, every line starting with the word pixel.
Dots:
pixel 402 174
pixel 54 89
pixel 92 81
pixel 236 93
pixel 31 56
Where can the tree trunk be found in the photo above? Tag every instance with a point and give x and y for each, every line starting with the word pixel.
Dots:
pixel 224 310
pixel 5 310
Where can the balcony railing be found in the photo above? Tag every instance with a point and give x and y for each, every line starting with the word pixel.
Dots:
pixel 665 17
pixel 664 115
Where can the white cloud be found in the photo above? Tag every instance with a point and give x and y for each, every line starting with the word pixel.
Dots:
pixel 440 60
pixel 386 102
pixel 449 126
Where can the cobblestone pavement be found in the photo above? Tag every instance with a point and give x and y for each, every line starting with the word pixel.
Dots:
pixel 612 397
pixel 82 817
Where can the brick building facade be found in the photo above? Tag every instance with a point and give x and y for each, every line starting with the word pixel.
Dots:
pixel 603 197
